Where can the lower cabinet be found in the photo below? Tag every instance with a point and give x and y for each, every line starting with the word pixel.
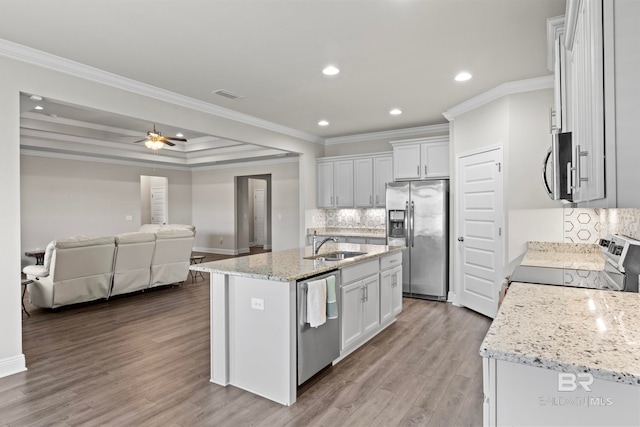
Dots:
pixel 390 294
pixel 360 310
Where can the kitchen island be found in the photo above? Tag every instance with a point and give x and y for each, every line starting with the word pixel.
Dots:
pixel 558 355
pixel 253 313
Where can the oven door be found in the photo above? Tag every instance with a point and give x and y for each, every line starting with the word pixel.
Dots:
pixel 612 278
pixel 556 168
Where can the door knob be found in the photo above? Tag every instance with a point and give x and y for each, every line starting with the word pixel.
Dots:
pixel 460 239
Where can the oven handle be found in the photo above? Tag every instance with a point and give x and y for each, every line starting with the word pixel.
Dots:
pixel 544 174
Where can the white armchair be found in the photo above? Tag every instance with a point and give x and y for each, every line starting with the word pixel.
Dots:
pixel 170 262
pixel 132 264
pixel 75 270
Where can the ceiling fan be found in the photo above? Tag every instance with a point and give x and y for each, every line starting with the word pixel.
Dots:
pixel 156 141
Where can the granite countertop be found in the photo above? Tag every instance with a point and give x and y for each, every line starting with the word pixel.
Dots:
pixel 353 232
pixel 568 330
pixel 291 265
pixel 575 256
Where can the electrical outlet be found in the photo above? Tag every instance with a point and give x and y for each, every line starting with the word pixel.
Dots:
pixel 128 218
pixel 257 303
pixel 221 240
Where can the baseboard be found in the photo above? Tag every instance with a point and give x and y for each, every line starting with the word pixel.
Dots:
pixel 243 251
pixel 12 365
pixel 266 247
pixel 216 251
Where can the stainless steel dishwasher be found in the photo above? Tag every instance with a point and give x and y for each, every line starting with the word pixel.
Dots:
pixel 317 347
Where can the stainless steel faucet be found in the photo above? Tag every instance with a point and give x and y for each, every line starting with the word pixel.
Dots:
pixel 316 246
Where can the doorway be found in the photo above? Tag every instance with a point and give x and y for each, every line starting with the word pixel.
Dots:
pixel 253 212
pixel 154 200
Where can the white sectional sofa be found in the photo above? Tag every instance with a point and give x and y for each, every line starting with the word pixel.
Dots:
pixel 82 268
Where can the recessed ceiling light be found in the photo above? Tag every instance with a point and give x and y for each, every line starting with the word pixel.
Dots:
pixel 35 98
pixel 38 107
pixel 395 112
pixel 179 135
pixel 330 71
pixel 323 123
pixel 463 77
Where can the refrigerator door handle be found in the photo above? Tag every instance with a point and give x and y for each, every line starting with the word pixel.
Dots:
pixel 413 206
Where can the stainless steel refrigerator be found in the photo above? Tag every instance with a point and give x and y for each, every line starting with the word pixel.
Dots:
pixel 418 217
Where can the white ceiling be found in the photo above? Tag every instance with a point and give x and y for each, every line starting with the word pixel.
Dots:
pixel 392 53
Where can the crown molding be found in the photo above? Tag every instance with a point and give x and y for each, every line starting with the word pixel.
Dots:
pixel 275 161
pixel 67 66
pixel 510 88
pixel 391 134
pixel 555 27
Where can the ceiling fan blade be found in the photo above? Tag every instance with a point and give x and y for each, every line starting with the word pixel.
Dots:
pixel 169 143
pixel 175 138
pixel 140 140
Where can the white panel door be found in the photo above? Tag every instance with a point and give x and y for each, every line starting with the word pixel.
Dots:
pixel 371 304
pixel 363 175
pixel 480 230
pixel 159 205
pixel 259 229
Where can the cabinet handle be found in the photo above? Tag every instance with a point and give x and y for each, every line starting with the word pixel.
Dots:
pixel 552 115
pixel 425 170
pixel 370 199
pixel 576 168
pixel 377 199
pixel 366 293
pixel 418 169
pixel 362 298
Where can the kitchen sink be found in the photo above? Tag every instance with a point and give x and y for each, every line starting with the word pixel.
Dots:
pixel 337 255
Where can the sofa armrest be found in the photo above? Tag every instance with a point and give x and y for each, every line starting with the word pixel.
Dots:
pixel 36 271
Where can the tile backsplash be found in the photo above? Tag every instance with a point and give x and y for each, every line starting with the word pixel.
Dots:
pixel 348 218
pixel 589 225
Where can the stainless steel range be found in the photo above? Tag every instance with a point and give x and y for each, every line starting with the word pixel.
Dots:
pixel 622 266
pixel 621 270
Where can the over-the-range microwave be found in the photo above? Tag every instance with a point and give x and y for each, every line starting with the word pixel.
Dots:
pixel 557 168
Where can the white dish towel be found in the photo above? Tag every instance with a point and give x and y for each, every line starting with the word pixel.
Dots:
pixel 317 302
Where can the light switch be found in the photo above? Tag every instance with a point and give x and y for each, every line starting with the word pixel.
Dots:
pixel 129 218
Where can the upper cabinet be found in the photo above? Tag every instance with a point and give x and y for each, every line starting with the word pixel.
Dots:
pixel 421 158
pixel 595 60
pixel 353 181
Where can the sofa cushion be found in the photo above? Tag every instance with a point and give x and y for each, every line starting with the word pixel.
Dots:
pixel 150 228
pixel 173 234
pixel 135 237
pixel 178 227
pixel 80 241
pixel 48 252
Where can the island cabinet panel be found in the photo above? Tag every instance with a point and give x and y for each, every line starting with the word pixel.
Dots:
pixel 390 287
pixel 518 395
pixel 262 337
pixel 352 296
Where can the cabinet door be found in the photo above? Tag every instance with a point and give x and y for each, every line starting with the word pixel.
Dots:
pixel 396 291
pixel 324 184
pixel 406 161
pixel 386 298
pixel 352 296
pixel 343 183
pixel 382 173
pixel 371 304
pixel 363 176
pixel 435 160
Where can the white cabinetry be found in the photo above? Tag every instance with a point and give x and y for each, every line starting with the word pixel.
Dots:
pixel 584 79
pixel 353 181
pixel 360 295
pixel 335 184
pixel 390 287
pixel 518 395
pixel 421 158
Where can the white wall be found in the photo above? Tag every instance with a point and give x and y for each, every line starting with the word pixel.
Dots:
pixel 214 198
pixel 520 124
pixel 64 198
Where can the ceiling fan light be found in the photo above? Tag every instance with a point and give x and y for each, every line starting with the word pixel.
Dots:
pixel 153 145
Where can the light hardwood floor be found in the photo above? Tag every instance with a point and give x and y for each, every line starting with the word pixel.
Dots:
pixel 144 360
